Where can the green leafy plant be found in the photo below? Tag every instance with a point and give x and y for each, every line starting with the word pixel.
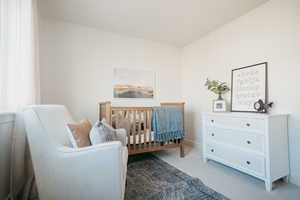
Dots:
pixel 217 87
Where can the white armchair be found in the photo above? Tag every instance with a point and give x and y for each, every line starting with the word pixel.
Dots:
pixel 95 172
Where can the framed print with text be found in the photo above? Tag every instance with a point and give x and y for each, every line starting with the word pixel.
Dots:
pixel 248 85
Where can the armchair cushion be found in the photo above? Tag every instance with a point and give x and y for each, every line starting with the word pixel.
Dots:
pixel 79 134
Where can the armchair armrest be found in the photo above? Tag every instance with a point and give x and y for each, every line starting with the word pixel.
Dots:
pixel 93 148
pixel 99 166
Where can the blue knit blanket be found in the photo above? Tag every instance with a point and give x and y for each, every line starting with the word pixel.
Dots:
pixel 167 123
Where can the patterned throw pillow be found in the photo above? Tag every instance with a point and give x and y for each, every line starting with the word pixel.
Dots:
pixel 79 134
pixel 101 133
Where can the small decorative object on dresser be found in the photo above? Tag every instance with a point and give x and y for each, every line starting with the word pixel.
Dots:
pixel 256 144
pixel 218 88
pixel 262 107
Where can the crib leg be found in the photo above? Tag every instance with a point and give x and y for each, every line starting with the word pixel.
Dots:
pixel 181 150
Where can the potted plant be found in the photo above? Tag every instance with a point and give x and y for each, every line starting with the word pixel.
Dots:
pixel 218 88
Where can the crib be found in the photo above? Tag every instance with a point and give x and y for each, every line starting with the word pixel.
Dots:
pixel 137 122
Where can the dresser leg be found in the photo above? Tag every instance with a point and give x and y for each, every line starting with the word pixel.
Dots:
pixel 269 186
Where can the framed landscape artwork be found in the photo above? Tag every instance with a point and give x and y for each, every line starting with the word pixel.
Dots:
pixel 248 85
pixel 133 84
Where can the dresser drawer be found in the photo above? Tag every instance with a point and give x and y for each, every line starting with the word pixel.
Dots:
pixel 235 122
pixel 242 139
pixel 242 160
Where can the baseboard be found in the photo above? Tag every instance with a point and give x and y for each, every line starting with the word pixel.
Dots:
pixel 295 179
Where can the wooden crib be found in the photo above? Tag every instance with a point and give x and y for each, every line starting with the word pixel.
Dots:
pixel 140 138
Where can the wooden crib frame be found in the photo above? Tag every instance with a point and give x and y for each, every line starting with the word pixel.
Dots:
pixel 139 139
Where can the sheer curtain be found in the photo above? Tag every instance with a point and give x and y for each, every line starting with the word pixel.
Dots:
pixel 19 61
pixel 19 74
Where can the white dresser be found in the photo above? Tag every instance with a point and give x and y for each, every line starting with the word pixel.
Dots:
pixel 256 144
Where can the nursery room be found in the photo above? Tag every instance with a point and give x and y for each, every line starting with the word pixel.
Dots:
pixel 149 100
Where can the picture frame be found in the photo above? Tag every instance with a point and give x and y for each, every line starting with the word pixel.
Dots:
pixel 219 106
pixel 133 84
pixel 248 85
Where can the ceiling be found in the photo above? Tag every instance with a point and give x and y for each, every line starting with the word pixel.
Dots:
pixel 178 22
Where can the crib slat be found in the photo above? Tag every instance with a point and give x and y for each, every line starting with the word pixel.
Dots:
pixel 139 129
pixel 149 128
pixel 128 131
pixel 117 119
pixel 145 128
pixel 134 129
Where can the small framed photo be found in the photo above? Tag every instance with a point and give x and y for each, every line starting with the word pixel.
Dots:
pixel 219 106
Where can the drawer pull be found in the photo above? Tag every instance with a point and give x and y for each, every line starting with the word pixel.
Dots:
pixel 248 162
pixel 212 134
pixel 212 121
pixel 248 142
pixel 248 124
pixel 212 150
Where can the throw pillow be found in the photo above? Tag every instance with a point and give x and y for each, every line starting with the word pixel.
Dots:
pixel 100 133
pixel 79 134
pixel 95 135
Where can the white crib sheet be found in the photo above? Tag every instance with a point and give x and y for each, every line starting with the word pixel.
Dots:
pixel 142 138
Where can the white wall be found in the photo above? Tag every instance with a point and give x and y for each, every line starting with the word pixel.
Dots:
pixel 269 33
pixel 6 125
pixel 77 65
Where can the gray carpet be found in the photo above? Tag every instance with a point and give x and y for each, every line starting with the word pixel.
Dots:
pixel 150 178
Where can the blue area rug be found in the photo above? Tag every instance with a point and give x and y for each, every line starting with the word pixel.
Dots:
pixel 150 178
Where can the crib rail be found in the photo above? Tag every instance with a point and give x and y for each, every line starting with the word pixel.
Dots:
pixel 137 122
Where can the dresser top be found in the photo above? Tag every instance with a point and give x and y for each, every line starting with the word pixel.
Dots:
pixel 244 114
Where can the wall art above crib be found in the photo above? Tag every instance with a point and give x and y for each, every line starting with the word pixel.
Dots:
pixel 131 83
pixel 248 85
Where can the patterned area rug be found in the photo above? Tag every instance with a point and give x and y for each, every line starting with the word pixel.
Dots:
pixel 150 178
